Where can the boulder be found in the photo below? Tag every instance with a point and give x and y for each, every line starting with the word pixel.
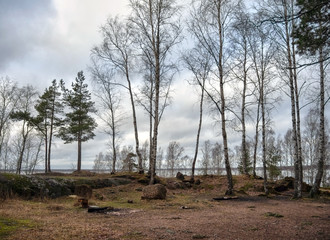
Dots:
pixel 180 176
pixel 175 185
pixel 157 191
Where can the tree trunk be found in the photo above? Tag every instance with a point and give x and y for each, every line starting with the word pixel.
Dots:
pixel 223 103
pixel 21 154
pixel 51 131
pixel 244 147
pixel 136 134
pixel 316 186
pixel 114 150
pixel 198 132
pixel 297 181
pixel 46 151
pixel 156 123
pixel 256 139
pixel 264 148
pixel 300 156
pixel 79 155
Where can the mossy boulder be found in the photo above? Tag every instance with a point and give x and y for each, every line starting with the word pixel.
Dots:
pixel 32 186
pixel 157 191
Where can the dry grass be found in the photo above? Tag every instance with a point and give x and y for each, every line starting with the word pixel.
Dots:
pixel 185 214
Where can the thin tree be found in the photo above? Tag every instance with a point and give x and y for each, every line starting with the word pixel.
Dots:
pixel 262 53
pixel 173 155
pixel 117 50
pixel 206 157
pixel 198 62
pixel 241 31
pixel 79 125
pixel 110 103
pixel 9 98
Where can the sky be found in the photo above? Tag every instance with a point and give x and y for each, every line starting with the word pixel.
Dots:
pixel 42 40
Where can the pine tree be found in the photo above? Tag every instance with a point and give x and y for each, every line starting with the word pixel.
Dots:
pixel 79 125
pixel 313 31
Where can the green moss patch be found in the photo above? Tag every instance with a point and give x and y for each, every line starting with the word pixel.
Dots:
pixel 271 214
pixel 8 226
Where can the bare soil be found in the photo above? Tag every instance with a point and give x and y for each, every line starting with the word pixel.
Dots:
pixel 185 214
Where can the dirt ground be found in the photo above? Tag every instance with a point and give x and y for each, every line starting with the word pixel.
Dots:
pixel 185 214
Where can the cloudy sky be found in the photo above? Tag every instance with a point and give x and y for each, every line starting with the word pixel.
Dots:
pixel 42 40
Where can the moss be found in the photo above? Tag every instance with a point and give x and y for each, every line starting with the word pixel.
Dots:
pixel 198 236
pixel 270 214
pixel 8 226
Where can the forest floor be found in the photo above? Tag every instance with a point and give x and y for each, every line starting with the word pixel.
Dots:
pixel 185 214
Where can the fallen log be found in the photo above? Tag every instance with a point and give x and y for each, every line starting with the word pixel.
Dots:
pixel 225 198
pixel 95 209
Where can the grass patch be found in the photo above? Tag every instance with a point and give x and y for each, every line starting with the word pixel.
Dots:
pixel 8 226
pixel 271 214
pixel 253 229
pixel 198 236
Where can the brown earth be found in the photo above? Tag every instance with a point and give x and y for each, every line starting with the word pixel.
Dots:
pixel 185 214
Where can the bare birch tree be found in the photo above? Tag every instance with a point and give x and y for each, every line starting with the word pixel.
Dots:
pixel 117 50
pixel 9 98
pixel 263 52
pixel 209 25
pixel 241 31
pixel 158 29
pixel 198 62
pixel 109 106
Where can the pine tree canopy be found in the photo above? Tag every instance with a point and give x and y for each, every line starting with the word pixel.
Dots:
pixel 312 31
pixel 79 125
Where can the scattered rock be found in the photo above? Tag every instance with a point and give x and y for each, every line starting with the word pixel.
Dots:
pixel 284 184
pixel 288 183
pixel 197 182
pixel 305 187
pixel 170 184
pixel 187 184
pixel 180 176
pixel 157 191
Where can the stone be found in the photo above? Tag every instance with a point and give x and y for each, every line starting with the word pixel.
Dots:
pixel 157 191
pixel 197 182
pixel 180 176
pixel 175 185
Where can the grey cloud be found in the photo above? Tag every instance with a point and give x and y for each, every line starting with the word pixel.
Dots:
pixel 23 25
